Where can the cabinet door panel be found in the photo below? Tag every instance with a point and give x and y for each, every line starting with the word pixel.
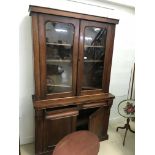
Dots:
pixel 98 122
pixel 93 57
pixel 94 49
pixel 56 130
pixel 57 125
pixel 58 55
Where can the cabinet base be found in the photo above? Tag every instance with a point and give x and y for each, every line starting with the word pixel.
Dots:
pixel 104 138
pixel 45 153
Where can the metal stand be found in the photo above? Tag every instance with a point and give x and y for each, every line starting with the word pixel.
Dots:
pixel 127 127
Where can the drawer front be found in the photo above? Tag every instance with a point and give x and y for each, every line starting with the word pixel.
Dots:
pixel 61 113
pixel 94 104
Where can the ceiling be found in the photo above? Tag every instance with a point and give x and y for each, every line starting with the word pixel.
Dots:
pixel 127 3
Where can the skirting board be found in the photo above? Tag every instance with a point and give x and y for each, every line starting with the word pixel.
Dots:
pixel 26 140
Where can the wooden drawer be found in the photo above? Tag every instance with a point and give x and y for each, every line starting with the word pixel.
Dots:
pixel 61 113
pixel 94 104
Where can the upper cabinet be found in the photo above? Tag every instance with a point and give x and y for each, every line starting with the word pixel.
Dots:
pixel 73 53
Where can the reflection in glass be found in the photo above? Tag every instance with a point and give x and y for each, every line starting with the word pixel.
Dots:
pixel 94 50
pixel 59 44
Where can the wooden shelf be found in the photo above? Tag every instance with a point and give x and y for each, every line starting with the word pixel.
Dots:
pixel 93 60
pixel 50 85
pixel 58 44
pixel 89 88
pixel 57 61
pixel 93 46
pixel 82 122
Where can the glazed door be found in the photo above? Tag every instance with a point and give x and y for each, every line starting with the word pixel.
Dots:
pixel 98 122
pixel 58 55
pixel 95 56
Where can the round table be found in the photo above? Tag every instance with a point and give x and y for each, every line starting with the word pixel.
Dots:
pixel 78 143
pixel 126 109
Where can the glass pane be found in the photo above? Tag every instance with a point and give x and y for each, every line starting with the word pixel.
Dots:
pixel 59 48
pixel 94 50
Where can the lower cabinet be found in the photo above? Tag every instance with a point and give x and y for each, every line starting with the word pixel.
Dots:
pixel 55 123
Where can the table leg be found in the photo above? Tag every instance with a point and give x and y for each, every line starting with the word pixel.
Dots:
pixel 126 126
pixel 125 136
